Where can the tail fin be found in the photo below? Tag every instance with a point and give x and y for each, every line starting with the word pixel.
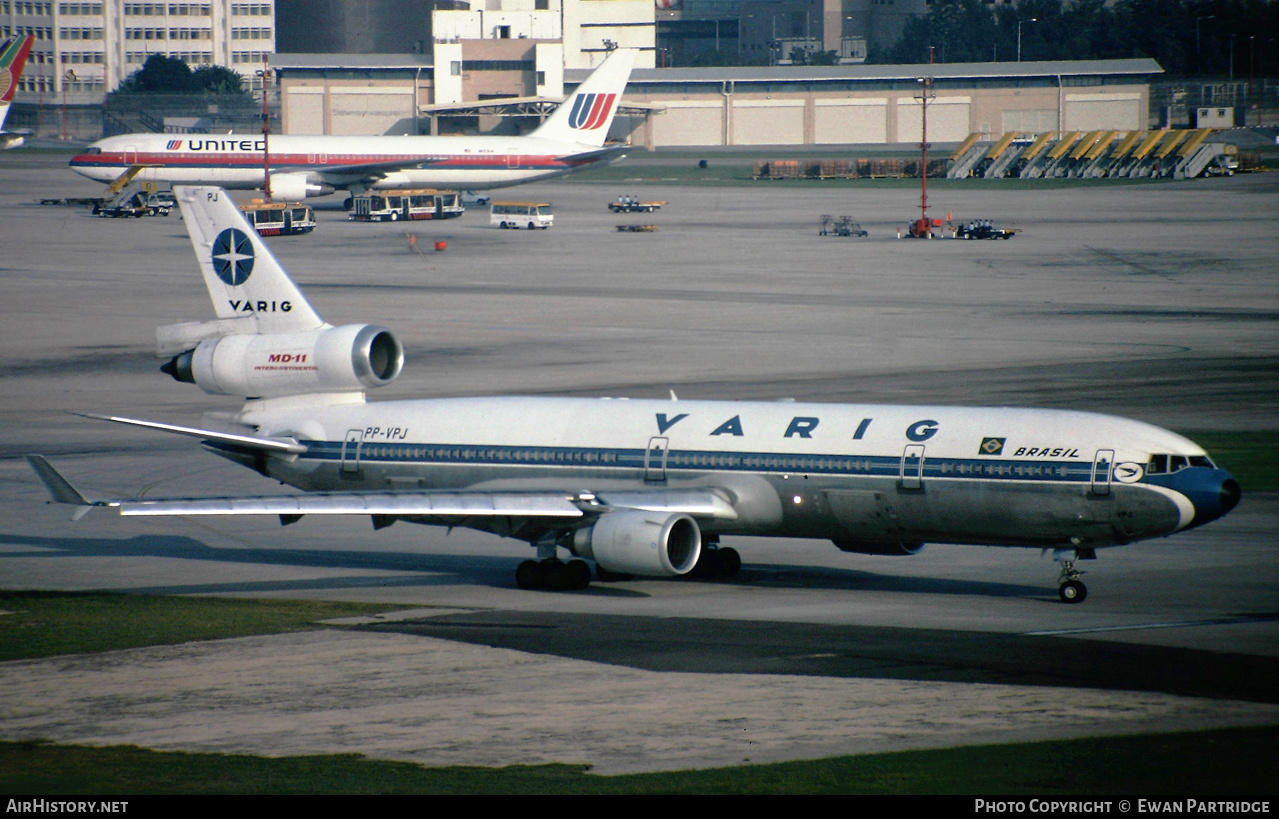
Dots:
pixel 12 58
pixel 244 280
pixel 585 116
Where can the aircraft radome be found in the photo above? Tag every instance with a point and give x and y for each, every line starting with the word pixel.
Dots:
pixel 639 487
pixel 571 139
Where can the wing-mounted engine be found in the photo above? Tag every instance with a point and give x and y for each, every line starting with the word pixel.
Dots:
pixel 351 358
pixel 653 544
pixel 292 187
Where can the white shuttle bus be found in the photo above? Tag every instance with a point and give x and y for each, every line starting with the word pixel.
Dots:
pixel 521 214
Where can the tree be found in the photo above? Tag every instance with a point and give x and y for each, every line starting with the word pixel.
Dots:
pixel 169 75
pixel 216 79
pixel 161 75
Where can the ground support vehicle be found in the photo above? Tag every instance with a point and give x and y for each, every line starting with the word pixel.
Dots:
pixel 521 214
pixel 136 203
pixel 396 204
pixel 841 226
pixel 279 218
pixel 632 204
pixel 982 230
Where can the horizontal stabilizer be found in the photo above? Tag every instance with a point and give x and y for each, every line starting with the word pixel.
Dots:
pixel 286 445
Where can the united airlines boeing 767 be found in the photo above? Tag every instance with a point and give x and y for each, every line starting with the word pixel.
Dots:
pixel 638 487
pixel 572 139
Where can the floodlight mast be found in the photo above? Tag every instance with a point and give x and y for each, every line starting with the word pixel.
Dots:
pixel 923 228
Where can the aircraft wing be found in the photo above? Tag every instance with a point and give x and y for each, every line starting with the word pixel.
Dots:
pixel 444 505
pixel 343 175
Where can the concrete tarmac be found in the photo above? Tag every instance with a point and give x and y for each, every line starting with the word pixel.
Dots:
pixel 1155 301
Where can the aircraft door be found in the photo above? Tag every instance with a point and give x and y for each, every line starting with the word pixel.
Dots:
pixel 351 451
pixel 131 155
pixel 655 459
pixel 912 467
pixel 1103 465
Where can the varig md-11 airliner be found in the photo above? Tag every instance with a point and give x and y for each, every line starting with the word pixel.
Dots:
pixel 571 139
pixel 639 487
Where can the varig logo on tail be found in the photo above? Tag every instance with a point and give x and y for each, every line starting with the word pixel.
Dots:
pixel 233 256
pixel 590 111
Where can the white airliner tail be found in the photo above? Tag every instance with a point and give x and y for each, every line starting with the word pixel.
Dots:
pixel 267 340
pixel 586 115
pixel 244 279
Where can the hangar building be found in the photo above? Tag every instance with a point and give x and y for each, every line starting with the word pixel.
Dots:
pixel 752 105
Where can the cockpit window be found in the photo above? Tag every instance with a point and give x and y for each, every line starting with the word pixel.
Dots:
pixel 1165 464
pixel 91 151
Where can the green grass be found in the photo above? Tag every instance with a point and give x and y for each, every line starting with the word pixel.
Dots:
pixel 44 624
pixel 1249 456
pixel 1231 761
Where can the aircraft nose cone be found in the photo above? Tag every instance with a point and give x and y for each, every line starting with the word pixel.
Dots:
pixel 1213 493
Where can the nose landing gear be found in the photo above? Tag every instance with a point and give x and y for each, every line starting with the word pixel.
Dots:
pixel 1070 589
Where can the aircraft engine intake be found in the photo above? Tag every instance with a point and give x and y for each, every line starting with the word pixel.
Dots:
pixel 295 186
pixel 653 544
pixel 876 547
pixel 351 358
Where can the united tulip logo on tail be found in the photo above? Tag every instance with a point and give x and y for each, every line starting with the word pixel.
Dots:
pixel 590 111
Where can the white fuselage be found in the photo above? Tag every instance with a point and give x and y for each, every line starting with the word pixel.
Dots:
pixel 240 161
pixel 863 473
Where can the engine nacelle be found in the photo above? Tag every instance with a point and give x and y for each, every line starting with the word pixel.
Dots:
pixel 351 358
pixel 294 186
pixel 878 547
pixel 654 544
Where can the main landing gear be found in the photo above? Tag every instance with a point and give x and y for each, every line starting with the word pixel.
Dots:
pixel 717 562
pixel 1070 588
pixel 553 574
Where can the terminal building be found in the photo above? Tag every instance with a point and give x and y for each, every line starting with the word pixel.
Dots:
pixel 757 105
pixel 500 66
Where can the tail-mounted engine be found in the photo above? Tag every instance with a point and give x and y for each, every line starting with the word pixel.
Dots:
pixel 654 544
pixel 351 358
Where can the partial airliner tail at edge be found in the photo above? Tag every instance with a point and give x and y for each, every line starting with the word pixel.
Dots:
pixel 12 59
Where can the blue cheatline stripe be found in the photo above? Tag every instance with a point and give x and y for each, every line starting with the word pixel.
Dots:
pixel 678 460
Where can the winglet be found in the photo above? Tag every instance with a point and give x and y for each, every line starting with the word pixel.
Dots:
pixel 59 487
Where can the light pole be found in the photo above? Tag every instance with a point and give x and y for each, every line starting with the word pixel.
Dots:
pixel 1198 20
pixel 1019 22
